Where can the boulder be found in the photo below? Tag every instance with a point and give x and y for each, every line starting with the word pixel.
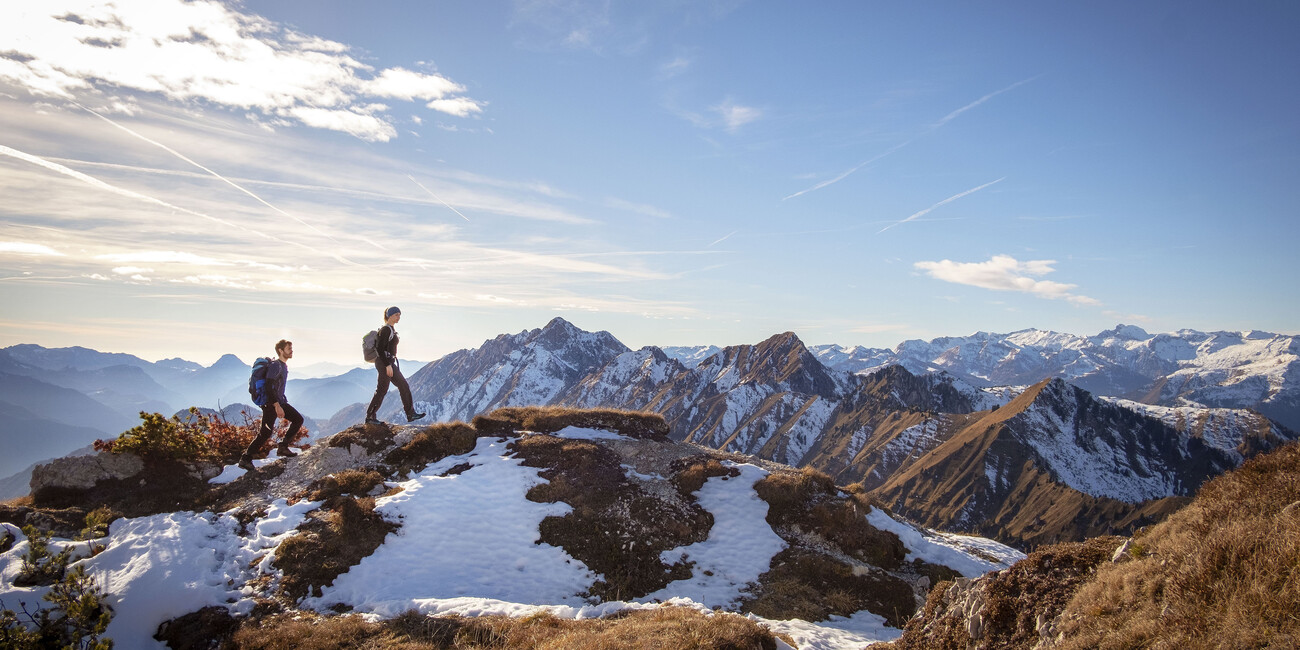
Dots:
pixel 83 472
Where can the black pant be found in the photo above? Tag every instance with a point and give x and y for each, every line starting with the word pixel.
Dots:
pixel 381 390
pixel 268 427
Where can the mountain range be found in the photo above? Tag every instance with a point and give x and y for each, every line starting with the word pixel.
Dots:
pixel 1029 437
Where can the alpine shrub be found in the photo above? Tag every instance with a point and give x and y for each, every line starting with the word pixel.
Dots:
pixel 79 616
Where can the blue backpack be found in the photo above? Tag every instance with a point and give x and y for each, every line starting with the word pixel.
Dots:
pixel 257 382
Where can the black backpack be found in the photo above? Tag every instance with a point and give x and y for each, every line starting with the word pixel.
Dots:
pixel 257 381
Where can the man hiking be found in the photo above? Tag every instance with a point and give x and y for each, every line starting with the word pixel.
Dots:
pixel 389 370
pixel 277 375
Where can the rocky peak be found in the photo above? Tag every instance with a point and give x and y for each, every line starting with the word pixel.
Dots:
pixel 228 361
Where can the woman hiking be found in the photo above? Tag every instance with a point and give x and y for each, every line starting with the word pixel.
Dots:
pixel 389 371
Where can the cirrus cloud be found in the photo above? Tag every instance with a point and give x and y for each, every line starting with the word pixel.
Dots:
pixel 1006 273
pixel 207 51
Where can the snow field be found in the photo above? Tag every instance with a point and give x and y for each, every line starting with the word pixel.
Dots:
pixel 467 535
pixel 739 548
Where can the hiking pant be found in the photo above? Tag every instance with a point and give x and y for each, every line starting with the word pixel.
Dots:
pixel 381 390
pixel 268 427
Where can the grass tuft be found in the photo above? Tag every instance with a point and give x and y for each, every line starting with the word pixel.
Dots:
pixel 663 627
pixel 431 445
pixel 549 419
pixel 343 532
pixel 1222 568
pixel 355 482
pixel 614 527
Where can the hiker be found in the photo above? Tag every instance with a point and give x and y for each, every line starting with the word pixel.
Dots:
pixel 389 370
pixel 277 375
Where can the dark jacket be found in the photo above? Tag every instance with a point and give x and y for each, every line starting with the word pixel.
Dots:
pixel 277 375
pixel 386 346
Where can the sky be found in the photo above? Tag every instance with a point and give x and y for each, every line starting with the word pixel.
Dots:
pixel 189 179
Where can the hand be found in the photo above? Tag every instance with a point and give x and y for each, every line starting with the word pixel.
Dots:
pixel 279 411
pixel 390 372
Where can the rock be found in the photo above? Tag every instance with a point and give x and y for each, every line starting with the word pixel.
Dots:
pixel 1122 553
pixel 83 472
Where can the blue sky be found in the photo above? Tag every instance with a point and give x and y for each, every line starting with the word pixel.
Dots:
pixel 194 178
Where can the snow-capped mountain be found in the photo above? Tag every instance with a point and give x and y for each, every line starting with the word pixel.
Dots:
pixel 778 401
pixel 529 368
pixel 1255 370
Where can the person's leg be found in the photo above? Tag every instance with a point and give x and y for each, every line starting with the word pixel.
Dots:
pixel 295 423
pixel 407 402
pixel 403 388
pixel 381 389
pixel 263 434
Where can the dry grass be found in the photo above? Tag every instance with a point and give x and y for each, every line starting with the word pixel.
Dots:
pixel 355 482
pixel 1222 572
pixel 690 473
pixel 809 500
pixel 549 419
pixel 614 528
pixel 371 437
pixel 813 586
pixel 343 532
pixel 432 445
pixel 665 627
pixel 1014 601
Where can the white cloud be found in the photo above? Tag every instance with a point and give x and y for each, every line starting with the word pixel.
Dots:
pixel 1005 273
pixel 735 116
pixel 163 257
pixel 131 270
pixel 458 106
pixel 207 51
pixel 400 83
pixel 26 248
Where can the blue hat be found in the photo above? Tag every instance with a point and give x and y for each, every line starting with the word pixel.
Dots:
pixel 388 313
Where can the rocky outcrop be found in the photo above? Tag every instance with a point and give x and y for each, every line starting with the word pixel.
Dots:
pixel 83 472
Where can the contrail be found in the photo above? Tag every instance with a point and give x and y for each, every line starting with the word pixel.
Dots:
pixel 846 174
pixel 213 173
pixel 437 197
pixel 934 127
pixel 95 182
pixel 950 199
pixel 724 238
pixel 949 117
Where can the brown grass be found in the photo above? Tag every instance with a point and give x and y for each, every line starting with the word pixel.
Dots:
pixel 549 419
pixel 431 445
pixel 1222 572
pixel 371 437
pixel 690 473
pixel 809 500
pixel 664 627
pixel 355 482
pixel 614 528
pixel 1035 588
pixel 343 532
pixel 812 586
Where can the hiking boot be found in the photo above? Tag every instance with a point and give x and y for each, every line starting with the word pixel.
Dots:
pixel 285 452
pixel 411 417
pixel 246 462
pixel 373 421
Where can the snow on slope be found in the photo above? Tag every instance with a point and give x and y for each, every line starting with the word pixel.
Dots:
pixel 739 548
pixel 466 546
